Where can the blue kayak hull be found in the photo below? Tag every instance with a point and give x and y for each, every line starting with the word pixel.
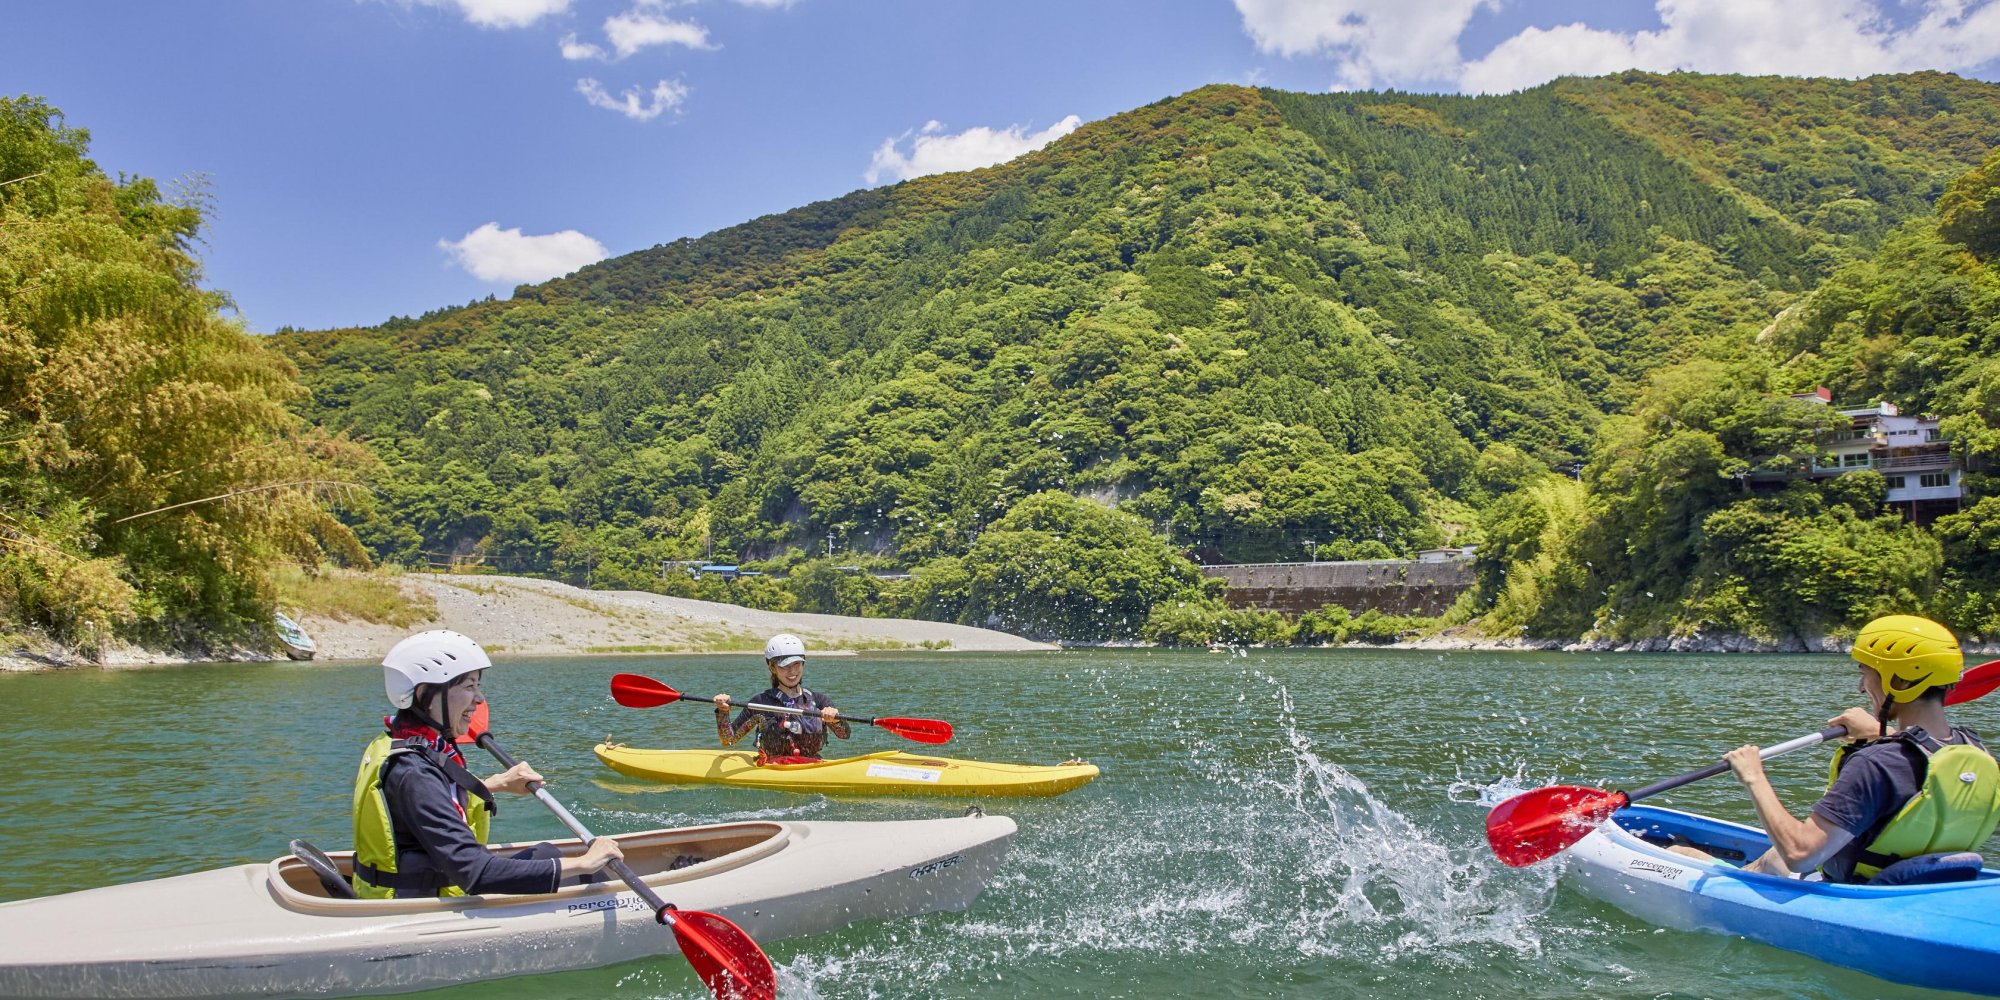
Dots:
pixel 1939 936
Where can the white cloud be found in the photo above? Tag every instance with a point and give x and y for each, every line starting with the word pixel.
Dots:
pixel 633 31
pixel 1373 42
pixel 573 49
pixel 502 13
pixel 491 253
pixel 932 151
pixel 667 95
pixel 772 4
pixel 1378 43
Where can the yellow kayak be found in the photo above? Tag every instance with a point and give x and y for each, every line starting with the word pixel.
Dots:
pixel 890 772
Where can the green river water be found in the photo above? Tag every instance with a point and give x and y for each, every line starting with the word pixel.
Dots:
pixel 1268 824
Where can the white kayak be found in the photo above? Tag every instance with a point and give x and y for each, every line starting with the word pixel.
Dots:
pixel 272 930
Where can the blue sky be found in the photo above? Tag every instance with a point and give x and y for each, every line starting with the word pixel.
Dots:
pixel 370 158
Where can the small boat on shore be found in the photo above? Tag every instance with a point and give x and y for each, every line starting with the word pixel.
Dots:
pixel 274 930
pixel 1945 936
pixel 890 772
pixel 298 645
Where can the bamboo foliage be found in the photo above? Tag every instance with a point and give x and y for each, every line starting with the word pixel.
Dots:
pixel 125 392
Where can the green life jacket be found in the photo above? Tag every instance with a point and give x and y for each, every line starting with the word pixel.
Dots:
pixel 1957 808
pixel 375 874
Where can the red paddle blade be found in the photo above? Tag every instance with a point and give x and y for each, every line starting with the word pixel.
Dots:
pixel 640 691
pixel 1536 825
pixel 479 725
pixel 724 957
pixel 921 730
pixel 1977 683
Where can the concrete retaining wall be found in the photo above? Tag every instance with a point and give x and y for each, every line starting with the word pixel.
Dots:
pixel 1392 586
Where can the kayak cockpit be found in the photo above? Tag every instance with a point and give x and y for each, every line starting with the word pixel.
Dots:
pixel 1666 828
pixel 1734 845
pixel 660 857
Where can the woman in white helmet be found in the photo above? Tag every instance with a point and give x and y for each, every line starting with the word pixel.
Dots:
pixel 421 818
pixel 783 739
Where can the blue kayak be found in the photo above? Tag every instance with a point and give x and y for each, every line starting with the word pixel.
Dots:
pixel 1944 936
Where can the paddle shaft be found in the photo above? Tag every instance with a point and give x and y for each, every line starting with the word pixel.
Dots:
pixel 782 710
pixel 1829 733
pixel 661 911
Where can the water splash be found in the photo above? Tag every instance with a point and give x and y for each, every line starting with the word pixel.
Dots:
pixel 1371 878
pixel 1251 846
pixel 1489 793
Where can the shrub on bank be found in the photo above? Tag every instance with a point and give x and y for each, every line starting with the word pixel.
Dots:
pixel 1333 625
pixel 1207 623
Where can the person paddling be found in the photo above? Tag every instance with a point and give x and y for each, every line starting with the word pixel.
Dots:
pixel 783 739
pixel 421 818
pixel 1927 788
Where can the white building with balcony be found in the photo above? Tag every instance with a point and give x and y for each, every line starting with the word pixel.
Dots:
pixel 1922 473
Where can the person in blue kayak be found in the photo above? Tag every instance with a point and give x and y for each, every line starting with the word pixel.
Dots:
pixel 421 818
pixel 783 739
pixel 1925 789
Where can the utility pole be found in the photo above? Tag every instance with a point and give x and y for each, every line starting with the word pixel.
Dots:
pixel 829 545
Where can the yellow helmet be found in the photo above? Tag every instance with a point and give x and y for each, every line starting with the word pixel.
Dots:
pixel 1911 654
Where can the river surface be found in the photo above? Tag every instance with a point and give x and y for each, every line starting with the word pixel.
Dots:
pixel 1268 824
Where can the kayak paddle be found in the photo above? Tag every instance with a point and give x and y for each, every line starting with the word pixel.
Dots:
pixel 722 955
pixel 480 720
pixel 1534 826
pixel 640 691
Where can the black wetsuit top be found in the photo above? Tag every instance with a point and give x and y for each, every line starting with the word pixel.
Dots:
pixel 434 843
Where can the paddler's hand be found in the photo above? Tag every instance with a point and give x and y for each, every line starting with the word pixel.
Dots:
pixel 514 780
pixel 1748 765
pixel 1861 724
pixel 721 702
pixel 830 714
pixel 601 852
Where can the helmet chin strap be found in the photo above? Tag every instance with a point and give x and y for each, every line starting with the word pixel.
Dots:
pixel 423 707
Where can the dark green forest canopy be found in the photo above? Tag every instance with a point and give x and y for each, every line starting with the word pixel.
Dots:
pixel 1255 321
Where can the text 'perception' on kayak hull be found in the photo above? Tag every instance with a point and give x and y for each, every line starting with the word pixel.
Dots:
pixel 269 930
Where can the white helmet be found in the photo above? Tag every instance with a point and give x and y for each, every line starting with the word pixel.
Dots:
pixel 434 657
pixel 784 649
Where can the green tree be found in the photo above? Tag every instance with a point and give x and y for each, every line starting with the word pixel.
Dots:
pixel 1057 567
pixel 153 474
pixel 1969 212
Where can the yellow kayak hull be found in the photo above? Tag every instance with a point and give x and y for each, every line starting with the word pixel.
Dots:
pixel 890 772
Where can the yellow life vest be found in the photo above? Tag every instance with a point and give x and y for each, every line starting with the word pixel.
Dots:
pixel 375 837
pixel 1957 808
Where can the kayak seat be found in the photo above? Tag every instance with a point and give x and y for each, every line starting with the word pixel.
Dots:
pixel 1932 869
pixel 329 874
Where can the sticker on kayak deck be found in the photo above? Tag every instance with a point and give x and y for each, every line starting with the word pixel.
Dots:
pixel 613 903
pixel 1664 871
pixel 905 773
pixel 936 866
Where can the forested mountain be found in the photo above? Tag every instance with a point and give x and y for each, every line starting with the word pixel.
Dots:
pixel 1256 322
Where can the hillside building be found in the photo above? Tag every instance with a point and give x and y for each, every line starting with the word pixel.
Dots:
pixel 1922 472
